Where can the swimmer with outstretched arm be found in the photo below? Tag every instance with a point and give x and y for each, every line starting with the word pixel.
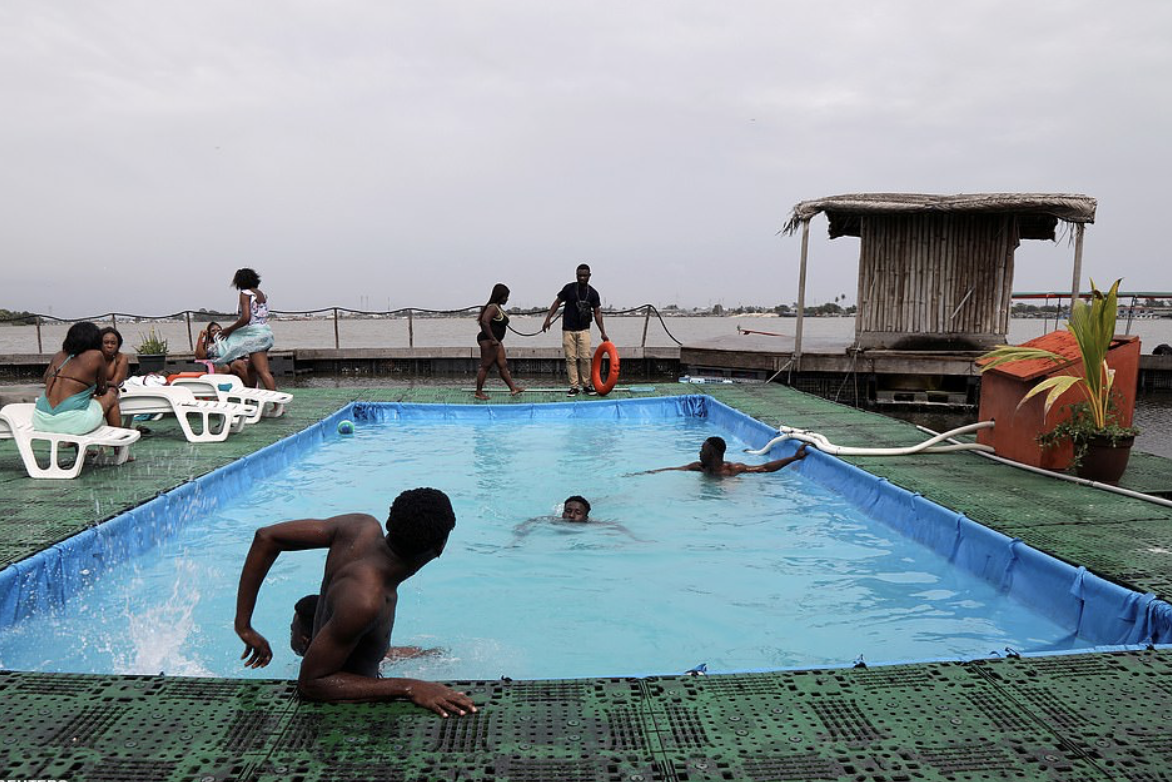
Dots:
pixel 712 461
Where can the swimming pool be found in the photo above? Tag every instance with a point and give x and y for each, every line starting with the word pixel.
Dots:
pixel 773 532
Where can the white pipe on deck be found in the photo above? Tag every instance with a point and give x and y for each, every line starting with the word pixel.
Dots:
pixel 1071 478
pixel 823 444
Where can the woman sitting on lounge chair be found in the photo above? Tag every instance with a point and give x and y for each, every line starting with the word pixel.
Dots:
pixel 250 335
pixel 117 364
pixel 76 397
pixel 206 354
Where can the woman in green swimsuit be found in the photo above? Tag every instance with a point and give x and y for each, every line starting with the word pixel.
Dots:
pixel 76 397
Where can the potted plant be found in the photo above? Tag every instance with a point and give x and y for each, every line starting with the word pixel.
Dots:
pixel 1101 444
pixel 152 352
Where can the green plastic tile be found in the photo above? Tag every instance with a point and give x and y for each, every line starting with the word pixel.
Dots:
pixel 1115 708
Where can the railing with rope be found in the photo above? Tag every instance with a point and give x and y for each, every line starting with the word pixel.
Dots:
pixel 337 314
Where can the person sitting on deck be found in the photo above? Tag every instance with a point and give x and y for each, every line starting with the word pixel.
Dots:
pixel 356 611
pixel 206 353
pixel 76 398
pixel 117 368
pixel 712 461
pixel 117 364
pixel 301 633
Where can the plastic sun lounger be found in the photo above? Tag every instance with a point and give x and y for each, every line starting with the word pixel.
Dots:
pixel 229 388
pixel 217 419
pixel 16 423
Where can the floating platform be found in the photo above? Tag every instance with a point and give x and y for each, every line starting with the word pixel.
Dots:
pixel 1078 717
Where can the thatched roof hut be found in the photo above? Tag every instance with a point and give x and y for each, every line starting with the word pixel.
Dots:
pixel 936 271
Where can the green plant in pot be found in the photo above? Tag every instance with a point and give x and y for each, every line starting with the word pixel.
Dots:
pixel 152 352
pixel 1093 426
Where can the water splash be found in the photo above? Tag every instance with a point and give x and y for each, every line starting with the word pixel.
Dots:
pixel 162 637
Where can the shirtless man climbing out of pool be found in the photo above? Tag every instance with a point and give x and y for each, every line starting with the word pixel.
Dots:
pixel 712 461
pixel 359 592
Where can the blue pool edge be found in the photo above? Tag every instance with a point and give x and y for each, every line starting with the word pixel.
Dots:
pixel 1107 615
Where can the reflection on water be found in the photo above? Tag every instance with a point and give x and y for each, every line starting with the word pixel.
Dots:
pixel 1153 417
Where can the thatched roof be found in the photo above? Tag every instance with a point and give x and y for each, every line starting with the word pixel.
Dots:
pixel 1038 213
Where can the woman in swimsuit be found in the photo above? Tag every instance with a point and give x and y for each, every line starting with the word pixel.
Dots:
pixel 76 397
pixel 117 364
pixel 250 335
pixel 493 322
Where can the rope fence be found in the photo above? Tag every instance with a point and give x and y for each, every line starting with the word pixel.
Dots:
pixel 337 314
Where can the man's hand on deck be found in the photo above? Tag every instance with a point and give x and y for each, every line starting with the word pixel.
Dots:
pixel 444 701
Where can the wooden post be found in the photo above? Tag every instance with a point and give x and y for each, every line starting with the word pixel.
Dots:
pixel 114 319
pixel 190 341
pixel 410 330
pixel 1077 284
pixel 40 347
pixel 646 320
pixel 337 339
pixel 801 295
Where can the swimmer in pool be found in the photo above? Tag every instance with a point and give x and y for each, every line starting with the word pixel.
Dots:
pixel 301 633
pixel 712 461
pixel 576 508
pixel 356 611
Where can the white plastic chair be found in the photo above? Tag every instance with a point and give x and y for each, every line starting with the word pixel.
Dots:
pixel 216 419
pixel 16 423
pixel 229 388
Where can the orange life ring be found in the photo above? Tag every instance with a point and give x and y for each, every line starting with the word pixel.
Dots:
pixel 612 376
pixel 171 378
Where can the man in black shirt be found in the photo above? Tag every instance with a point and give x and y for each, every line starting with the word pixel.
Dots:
pixel 582 303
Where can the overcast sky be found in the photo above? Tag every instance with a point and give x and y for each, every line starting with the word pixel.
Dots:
pixel 386 154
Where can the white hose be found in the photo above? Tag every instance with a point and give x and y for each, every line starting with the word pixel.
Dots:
pixel 820 442
pixel 1071 478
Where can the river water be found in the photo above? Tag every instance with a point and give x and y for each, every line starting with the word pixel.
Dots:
pixel 449 332
pixel 1153 412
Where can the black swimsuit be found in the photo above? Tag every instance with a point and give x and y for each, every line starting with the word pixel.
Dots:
pixel 498 324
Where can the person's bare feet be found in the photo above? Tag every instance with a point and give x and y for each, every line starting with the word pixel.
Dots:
pixel 481 395
pixel 516 391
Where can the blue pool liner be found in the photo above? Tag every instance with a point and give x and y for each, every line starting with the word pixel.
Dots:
pixel 1098 611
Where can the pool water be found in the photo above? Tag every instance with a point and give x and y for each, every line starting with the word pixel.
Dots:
pixel 675 569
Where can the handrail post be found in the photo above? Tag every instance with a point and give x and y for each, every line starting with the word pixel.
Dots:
pixel 410 329
pixel 646 320
pixel 40 347
pixel 190 341
pixel 797 354
pixel 114 319
pixel 1076 285
pixel 337 339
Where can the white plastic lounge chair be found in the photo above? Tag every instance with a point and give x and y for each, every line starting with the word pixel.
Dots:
pixel 229 388
pixel 216 419
pixel 16 423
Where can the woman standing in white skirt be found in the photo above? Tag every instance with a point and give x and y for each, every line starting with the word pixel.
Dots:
pixel 250 335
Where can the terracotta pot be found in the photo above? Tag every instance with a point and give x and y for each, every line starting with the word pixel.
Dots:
pixel 1105 462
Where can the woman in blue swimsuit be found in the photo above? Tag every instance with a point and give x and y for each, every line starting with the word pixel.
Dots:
pixel 76 397
pixel 493 322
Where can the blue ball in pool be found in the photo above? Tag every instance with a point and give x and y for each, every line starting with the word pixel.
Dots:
pixel 345 427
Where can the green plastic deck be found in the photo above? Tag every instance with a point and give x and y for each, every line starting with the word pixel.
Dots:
pixel 1102 716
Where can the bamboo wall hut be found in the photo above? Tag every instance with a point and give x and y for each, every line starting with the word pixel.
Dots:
pixel 936 272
